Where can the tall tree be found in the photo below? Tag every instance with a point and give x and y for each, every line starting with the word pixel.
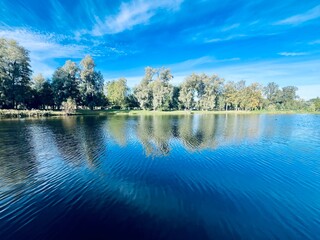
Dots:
pixel 37 82
pixel 289 96
pixel 65 83
pixel 91 86
pixel 212 88
pixel 36 89
pixel 15 74
pixel 316 102
pixel 162 90
pixel 251 97
pixel 188 91
pixel 143 91
pixel 117 92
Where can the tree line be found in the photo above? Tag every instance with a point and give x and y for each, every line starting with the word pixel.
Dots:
pixel 83 86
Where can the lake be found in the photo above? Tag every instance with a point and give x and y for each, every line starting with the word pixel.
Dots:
pixel 161 177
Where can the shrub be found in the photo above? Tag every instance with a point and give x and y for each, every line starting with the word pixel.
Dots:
pixel 69 107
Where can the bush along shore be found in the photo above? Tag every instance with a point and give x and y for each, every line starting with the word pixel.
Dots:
pixel 13 113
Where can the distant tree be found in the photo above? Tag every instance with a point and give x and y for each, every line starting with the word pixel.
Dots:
pixel 162 90
pixel 117 92
pixel 65 83
pixel 289 96
pixel 69 106
pixel 188 91
pixel 316 103
pixel 252 97
pixel 271 91
pixel 132 101
pixel 174 103
pixel 37 82
pixel 212 88
pixel 143 91
pixel 91 85
pixel 229 95
pixel 46 95
pixel 59 93
pixel 15 74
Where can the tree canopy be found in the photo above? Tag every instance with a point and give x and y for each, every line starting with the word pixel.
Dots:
pixel 83 85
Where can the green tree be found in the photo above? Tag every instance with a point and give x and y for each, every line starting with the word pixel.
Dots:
pixel 15 74
pixel 132 101
pixel 155 91
pixel 91 86
pixel 188 91
pixel 143 91
pixel 251 97
pixel 316 103
pixel 162 90
pixel 37 82
pixel 65 83
pixel 273 95
pixel 229 95
pixel 117 92
pixel 36 85
pixel 69 106
pixel 211 88
pixel 46 95
pixel 289 96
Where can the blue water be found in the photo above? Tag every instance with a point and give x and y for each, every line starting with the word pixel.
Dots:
pixel 161 177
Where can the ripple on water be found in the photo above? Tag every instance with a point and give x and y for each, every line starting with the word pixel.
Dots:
pixel 161 177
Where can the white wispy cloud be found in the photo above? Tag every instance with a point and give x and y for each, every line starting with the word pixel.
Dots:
pixel 313 13
pixel 196 63
pixel 293 54
pixel 131 14
pixel 315 42
pixel 230 27
pixel 44 45
pixel 191 63
pixel 44 48
pixel 227 38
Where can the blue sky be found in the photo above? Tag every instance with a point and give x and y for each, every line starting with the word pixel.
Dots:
pixel 261 40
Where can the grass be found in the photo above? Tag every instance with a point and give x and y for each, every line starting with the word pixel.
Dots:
pixel 182 112
pixel 146 112
pixel 11 113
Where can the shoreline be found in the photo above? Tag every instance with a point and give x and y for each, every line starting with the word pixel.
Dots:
pixel 11 113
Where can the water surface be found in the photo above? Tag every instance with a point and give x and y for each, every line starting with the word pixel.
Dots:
pixel 161 177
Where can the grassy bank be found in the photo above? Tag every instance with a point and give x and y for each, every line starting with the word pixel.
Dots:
pixel 182 112
pixel 47 113
pixel 146 112
pixel 12 113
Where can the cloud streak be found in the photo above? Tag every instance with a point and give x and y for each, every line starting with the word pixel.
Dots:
pixel 44 45
pixel 132 14
pixel 313 13
pixel 292 54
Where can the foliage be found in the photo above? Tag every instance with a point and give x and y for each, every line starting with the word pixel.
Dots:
pixel 65 83
pixel 155 91
pixel 75 86
pixel 316 103
pixel 69 106
pixel 117 92
pixel 91 83
pixel 15 75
